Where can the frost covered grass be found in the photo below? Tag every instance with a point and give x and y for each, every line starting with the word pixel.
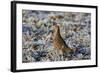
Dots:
pixel 37 31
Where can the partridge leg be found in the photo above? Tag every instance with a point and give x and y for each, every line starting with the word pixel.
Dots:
pixel 60 55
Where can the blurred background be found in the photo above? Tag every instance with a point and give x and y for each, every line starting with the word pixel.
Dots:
pixel 75 29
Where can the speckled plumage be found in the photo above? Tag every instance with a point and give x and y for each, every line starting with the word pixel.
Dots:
pixel 58 41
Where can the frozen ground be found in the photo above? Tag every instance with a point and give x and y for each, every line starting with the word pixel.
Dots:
pixel 36 37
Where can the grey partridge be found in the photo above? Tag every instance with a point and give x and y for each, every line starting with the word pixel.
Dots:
pixel 58 41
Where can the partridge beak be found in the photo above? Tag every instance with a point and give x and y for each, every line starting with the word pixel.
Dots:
pixel 50 31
